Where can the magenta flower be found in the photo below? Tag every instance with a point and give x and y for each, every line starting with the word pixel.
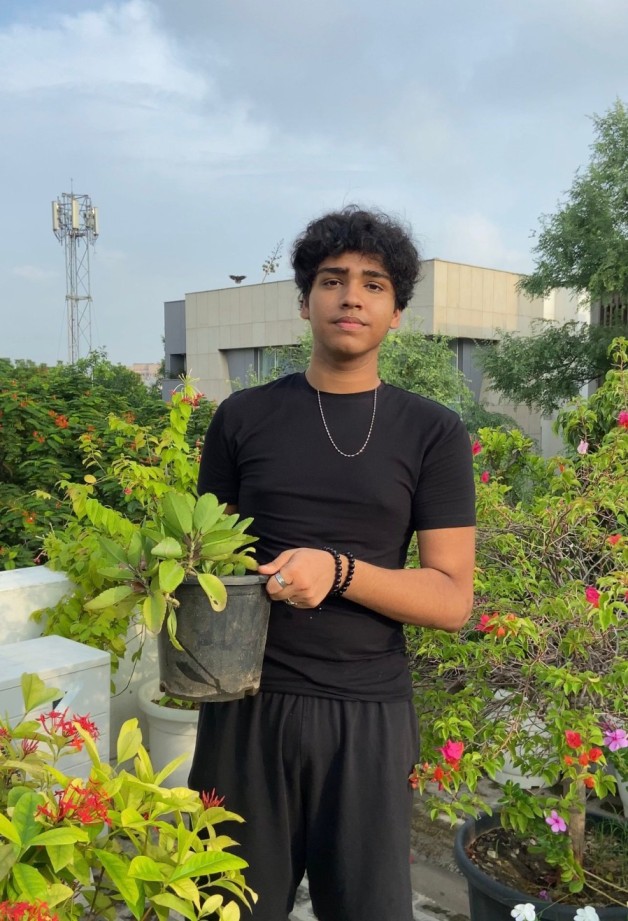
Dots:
pixel 485 476
pixel 556 822
pixel 622 419
pixel 583 447
pixel 592 595
pixel 476 447
pixel 452 751
pixel 615 739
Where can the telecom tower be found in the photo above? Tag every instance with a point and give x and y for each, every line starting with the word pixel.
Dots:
pixel 75 224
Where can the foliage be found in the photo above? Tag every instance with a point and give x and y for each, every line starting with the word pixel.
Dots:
pixel 129 563
pixel 52 421
pixel 407 359
pixel 549 366
pixel 80 849
pixel 540 674
pixel 584 245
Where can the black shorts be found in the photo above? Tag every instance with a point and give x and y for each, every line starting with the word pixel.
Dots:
pixel 323 787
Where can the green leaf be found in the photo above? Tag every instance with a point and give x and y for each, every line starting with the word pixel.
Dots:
pixel 118 869
pixel 35 692
pixel 207 862
pixel 171 574
pixel 112 549
pixel 8 830
pixel 177 512
pixel 147 869
pixel 65 835
pixel 30 882
pixel 170 901
pixel 129 740
pixel 206 513
pixel 108 598
pixel 154 611
pixel 168 549
pixel 214 589
pixel 24 816
pixel 8 857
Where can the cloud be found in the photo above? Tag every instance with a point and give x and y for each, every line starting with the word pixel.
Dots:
pixel 474 239
pixel 34 273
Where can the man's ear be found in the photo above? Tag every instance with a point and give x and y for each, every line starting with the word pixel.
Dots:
pixel 396 319
pixel 304 309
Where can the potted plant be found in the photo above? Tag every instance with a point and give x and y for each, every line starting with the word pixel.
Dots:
pixel 172 726
pixel 72 849
pixel 541 672
pixel 172 560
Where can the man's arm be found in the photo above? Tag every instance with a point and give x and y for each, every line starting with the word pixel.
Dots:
pixel 439 594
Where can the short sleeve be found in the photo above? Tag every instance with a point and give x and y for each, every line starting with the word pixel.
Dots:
pixel 218 470
pixel 445 493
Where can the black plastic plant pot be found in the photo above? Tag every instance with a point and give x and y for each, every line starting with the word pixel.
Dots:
pixel 490 900
pixel 222 652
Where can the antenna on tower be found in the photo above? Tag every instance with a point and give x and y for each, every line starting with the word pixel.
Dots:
pixel 75 224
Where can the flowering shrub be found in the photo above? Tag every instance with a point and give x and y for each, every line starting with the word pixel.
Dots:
pixel 53 421
pixel 79 849
pixel 540 673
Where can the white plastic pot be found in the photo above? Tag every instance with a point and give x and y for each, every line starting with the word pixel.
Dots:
pixel 171 732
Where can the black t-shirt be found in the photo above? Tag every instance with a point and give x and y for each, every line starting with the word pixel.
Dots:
pixel 267 452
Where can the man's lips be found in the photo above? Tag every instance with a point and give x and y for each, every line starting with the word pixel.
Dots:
pixel 349 322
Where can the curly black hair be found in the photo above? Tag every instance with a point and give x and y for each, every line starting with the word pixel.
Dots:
pixel 355 230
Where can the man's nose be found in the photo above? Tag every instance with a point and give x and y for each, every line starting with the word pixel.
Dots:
pixel 353 292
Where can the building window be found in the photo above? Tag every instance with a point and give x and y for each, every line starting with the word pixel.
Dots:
pixel 613 312
pixel 248 367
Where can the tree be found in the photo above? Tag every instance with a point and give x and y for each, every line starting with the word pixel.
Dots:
pixel 584 245
pixel 551 365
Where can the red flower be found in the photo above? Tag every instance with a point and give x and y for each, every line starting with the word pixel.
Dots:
pixel 584 759
pixel 573 739
pixel 595 754
pixel 592 595
pixel 210 799
pixel 452 752
pixel 439 773
pixel 588 781
pixel 622 419
pixel 485 476
pixel 61 421
pixel 26 911
pixel 568 760
pixel 487 623
pixel 613 539
pixel 413 779
pixel 29 746
pixel 88 805
pixel 476 447
pixel 127 490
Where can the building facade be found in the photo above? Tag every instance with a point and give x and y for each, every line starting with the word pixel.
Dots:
pixel 223 337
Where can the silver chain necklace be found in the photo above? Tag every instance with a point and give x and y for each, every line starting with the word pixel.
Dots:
pixel 320 406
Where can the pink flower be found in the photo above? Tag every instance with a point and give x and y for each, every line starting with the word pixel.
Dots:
pixel 476 447
pixel 452 751
pixel 486 624
pixel 622 419
pixel 616 739
pixel 592 595
pixel 583 447
pixel 127 490
pixel 613 539
pixel 485 476
pixel 556 822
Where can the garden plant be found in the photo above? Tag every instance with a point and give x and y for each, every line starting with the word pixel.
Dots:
pixel 540 673
pixel 84 848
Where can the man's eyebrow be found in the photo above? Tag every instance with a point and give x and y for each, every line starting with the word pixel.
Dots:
pixel 340 270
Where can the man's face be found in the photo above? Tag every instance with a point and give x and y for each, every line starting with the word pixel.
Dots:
pixel 351 305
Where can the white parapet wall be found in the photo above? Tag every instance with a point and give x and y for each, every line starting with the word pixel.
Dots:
pixel 23 591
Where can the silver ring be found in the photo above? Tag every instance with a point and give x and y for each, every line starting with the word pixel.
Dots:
pixel 293 604
pixel 281 580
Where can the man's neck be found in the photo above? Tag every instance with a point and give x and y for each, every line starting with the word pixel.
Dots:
pixel 342 378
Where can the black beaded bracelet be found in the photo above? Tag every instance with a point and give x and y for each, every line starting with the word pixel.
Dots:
pixel 350 570
pixel 335 589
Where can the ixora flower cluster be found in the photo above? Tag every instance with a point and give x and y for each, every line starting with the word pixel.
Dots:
pixel 75 849
pixel 527 912
pixel 538 679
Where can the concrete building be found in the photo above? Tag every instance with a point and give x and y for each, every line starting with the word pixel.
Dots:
pixel 220 336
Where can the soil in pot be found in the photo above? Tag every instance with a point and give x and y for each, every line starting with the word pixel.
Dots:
pixel 504 856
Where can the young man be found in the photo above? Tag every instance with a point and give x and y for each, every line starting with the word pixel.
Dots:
pixel 338 470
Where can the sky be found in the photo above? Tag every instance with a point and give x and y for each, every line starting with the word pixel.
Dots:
pixel 207 131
